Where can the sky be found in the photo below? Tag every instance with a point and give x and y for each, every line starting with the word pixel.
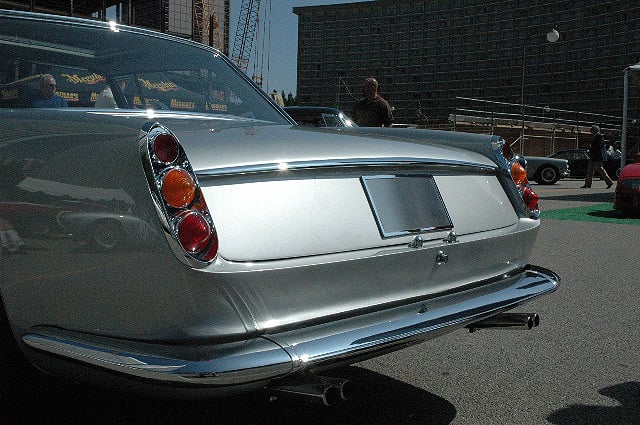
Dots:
pixel 278 57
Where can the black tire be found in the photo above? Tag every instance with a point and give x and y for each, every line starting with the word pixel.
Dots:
pixel 547 174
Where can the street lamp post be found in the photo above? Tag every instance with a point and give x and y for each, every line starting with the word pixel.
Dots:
pixel 552 37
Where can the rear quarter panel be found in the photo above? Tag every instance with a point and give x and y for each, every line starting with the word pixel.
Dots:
pixel 79 161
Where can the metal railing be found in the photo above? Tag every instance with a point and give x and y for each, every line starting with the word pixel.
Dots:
pixel 531 123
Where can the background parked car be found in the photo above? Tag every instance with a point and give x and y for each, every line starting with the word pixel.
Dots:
pixel 579 159
pixel 628 190
pixel 319 116
pixel 545 170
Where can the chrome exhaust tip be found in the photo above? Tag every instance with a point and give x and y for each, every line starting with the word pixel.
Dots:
pixel 345 387
pixel 316 389
pixel 518 321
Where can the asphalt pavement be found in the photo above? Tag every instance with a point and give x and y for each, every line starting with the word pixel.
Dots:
pixel 567 193
pixel 580 366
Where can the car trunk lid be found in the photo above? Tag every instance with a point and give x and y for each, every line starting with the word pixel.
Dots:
pixel 300 193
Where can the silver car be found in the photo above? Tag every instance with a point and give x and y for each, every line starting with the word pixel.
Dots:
pixel 265 253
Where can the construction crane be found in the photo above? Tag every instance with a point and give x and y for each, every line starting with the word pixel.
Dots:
pixel 245 32
pixel 206 23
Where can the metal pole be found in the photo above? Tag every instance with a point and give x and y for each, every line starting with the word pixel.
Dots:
pixel 493 122
pixel 553 135
pixel 524 58
pixel 455 113
pixel 623 137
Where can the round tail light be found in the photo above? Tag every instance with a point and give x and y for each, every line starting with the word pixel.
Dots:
pixel 530 199
pixel 194 232
pixel 212 251
pixel 180 202
pixel 165 148
pixel 178 188
pixel 507 152
pixel 519 174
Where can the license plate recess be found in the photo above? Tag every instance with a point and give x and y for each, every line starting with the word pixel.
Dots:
pixel 406 204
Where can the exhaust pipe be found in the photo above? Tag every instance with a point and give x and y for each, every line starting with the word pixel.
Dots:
pixel 345 387
pixel 317 389
pixel 524 321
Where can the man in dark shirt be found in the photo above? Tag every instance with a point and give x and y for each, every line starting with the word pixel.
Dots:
pixel 372 110
pixel 595 159
pixel 47 97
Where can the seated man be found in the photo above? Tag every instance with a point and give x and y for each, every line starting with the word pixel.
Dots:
pixel 47 97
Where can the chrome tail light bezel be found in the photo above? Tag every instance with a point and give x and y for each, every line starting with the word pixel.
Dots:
pixel 170 217
pixel 507 159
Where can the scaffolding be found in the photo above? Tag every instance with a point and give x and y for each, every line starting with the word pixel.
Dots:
pixel 206 24
pixel 245 32
pixel 532 130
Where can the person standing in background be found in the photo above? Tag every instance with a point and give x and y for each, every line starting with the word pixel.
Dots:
pixel 372 110
pixel 595 159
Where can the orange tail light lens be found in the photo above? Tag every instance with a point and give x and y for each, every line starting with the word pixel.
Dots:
pixel 178 188
pixel 519 174
pixel 515 166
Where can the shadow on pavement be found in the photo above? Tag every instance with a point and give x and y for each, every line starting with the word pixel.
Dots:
pixel 586 197
pixel 29 398
pixel 606 214
pixel 628 413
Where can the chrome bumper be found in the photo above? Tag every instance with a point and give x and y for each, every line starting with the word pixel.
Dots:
pixel 312 348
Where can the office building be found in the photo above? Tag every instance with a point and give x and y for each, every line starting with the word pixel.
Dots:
pixel 431 56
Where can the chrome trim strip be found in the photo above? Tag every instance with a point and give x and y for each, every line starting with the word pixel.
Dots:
pixel 253 361
pixel 444 165
pixel 276 355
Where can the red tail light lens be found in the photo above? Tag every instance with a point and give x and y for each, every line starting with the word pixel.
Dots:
pixel 507 152
pixel 194 232
pixel 165 147
pixel 178 188
pixel 212 251
pixel 530 199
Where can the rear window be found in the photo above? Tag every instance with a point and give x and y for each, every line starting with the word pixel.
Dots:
pixel 93 66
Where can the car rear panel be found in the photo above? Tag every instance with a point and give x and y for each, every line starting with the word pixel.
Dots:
pixel 273 302
pixel 291 218
pixel 300 234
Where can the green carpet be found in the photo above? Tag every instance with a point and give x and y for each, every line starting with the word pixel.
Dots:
pixel 603 213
